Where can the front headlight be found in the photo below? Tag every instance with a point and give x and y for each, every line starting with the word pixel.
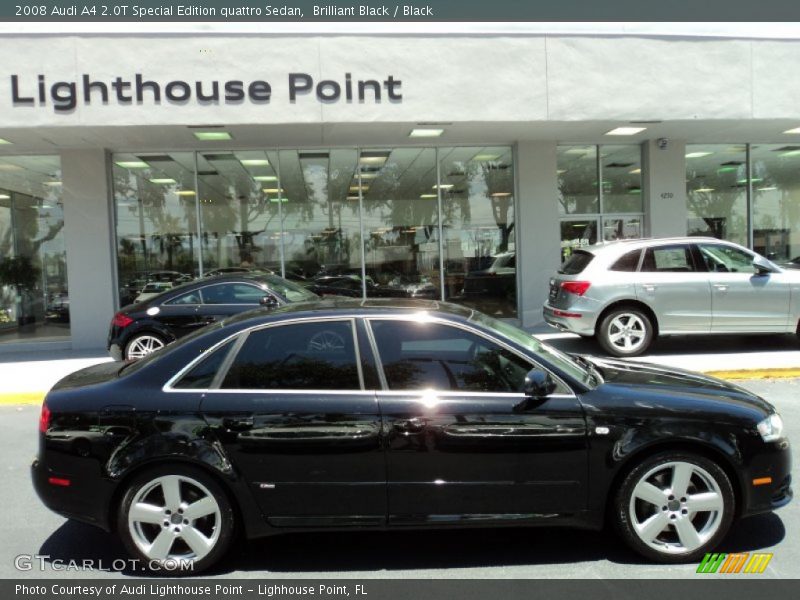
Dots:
pixel 771 428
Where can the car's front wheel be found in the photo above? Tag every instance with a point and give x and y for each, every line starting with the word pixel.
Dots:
pixel 625 331
pixel 176 520
pixel 674 507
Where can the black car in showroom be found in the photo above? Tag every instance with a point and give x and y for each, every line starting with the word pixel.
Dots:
pixel 141 328
pixel 383 414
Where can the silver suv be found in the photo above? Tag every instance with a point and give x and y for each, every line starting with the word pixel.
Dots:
pixel 628 292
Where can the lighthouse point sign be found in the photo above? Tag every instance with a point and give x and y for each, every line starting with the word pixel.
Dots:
pixel 65 96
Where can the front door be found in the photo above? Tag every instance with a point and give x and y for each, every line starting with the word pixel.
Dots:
pixel 293 416
pixel 461 443
pixel 743 299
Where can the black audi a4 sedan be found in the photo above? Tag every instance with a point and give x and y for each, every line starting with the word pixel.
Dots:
pixel 141 328
pixel 399 414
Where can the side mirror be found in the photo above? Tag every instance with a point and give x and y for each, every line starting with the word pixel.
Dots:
pixel 538 384
pixel 269 302
pixel 762 266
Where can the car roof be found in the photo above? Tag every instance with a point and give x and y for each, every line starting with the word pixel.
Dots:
pixel 354 306
pixel 620 246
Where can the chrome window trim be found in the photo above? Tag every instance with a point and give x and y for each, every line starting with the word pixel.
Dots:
pixel 260 289
pixel 470 329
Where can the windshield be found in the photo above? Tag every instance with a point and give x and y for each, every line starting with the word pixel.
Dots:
pixel 558 359
pixel 289 290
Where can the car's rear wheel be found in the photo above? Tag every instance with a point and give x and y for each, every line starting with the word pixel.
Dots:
pixel 176 519
pixel 674 507
pixel 625 332
pixel 143 344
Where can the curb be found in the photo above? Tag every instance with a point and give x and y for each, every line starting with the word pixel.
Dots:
pixel 22 398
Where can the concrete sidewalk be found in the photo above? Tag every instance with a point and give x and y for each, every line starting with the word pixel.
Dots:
pixel 26 377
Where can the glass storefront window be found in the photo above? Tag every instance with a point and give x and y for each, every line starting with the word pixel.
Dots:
pixel 600 188
pixel 156 212
pixel 318 200
pixel 621 167
pixel 776 200
pixel 577 180
pixel 478 226
pixel 716 191
pixel 321 216
pixel 34 297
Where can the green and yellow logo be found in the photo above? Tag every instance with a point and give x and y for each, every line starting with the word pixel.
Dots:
pixel 738 562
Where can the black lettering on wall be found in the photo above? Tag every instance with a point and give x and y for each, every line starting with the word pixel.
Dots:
pixel 234 91
pixel 299 83
pixel 369 83
pixel 120 85
pixel 142 85
pixel 15 96
pixel 178 91
pixel 89 85
pixel 259 91
pixel 328 90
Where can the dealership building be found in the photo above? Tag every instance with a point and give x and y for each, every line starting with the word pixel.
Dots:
pixel 466 159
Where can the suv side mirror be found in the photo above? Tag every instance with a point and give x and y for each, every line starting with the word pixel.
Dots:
pixel 762 266
pixel 269 301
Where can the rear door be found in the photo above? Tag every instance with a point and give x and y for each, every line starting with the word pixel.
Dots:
pixel 678 291
pixel 292 414
pixel 180 314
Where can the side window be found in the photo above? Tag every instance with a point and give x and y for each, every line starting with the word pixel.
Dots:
pixel 232 293
pixel 668 259
pixel 188 298
pixel 726 259
pixel 419 356
pixel 628 261
pixel 300 356
pixel 202 374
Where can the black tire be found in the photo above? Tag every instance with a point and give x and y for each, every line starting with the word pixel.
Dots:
pixel 668 547
pixel 641 329
pixel 219 526
pixel 138 339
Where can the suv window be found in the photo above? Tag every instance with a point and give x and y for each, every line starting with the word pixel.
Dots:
pixel 668 259
pixel 418 356
pixel 202 374
pixel 628 261
pixel 300 356
pixel 576 263
pixel 726 259
pixel 232 293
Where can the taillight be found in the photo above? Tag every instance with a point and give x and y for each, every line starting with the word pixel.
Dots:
pixel 121 320
pixel 575 287
pixel 44 419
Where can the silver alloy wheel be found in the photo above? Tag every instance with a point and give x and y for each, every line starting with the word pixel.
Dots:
pixel 627 332
pixel 174 517
pixel 143 345
pixel 676 507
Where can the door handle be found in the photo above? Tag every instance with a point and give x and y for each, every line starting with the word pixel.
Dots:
pixel 721 287
pixel 648 287
pixel 409 426
pixel 237 423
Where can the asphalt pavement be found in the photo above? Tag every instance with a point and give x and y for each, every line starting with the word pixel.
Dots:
pixel 28 528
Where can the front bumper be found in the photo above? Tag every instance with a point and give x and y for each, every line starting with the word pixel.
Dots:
pixel 572 320
pixel 774 463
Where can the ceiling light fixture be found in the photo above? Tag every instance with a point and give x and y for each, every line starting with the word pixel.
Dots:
pixel 625 131
pixel 186 193
pixel 698 154
pixel 5 142
pixel 429 196
pixel 795 130
pixel 254 162
pixel 500 194
pixel 265 178
pixel 443 186
pixel 52 183
pixel 163 180
pixel 132 164
pixel 425 133
pixel 212 136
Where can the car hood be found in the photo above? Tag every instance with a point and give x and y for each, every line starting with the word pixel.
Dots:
pixel 673 388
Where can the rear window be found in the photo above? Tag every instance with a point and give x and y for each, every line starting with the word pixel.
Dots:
pixel 576 263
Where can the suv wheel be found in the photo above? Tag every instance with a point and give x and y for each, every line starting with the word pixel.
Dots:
pixel 176 519
pixel 674 507
pixel 625 332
